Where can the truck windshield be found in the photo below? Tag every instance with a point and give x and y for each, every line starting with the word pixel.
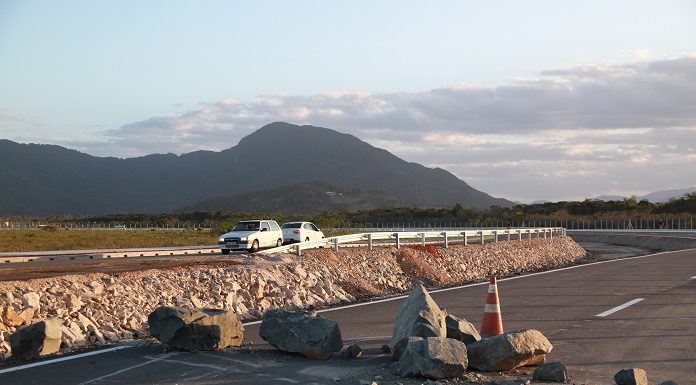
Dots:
pixel 246 226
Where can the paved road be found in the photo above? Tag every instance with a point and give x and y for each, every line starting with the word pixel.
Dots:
pixel 658 333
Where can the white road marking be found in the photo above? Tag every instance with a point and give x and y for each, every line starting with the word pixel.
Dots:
pixel 61 359
pixel 151 361
pixel 694 277
pixel 621 307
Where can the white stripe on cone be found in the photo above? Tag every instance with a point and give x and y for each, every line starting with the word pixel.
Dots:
pixel 491 308
pixel 492 288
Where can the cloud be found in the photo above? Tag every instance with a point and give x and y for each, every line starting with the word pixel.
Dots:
pixel 580 127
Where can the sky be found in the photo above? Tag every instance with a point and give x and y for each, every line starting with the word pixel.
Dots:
pixel 525 100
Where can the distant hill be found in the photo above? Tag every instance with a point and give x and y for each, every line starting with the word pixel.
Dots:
pixel 654 197
pixel 665 195
pixel 52 180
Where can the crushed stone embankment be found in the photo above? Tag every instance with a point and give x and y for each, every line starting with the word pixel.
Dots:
pixel 99 308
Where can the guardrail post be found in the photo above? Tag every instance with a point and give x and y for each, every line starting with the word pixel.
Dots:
pixel 519 233
pixel 335 244
pixel 446 244
pixel 482 241
pixel 297 250
pixel 465 241
pixel 423 239
pixel 551 234
pixel 398 241
pixel 529 235
pixel 495 234
pixel 369 242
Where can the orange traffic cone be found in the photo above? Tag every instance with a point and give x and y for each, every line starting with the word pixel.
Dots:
pixel 492 324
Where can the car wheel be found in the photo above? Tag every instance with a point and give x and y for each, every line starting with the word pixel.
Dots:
pixel 306 239
pixel 225 251
pixel 279 243
pixel 254 246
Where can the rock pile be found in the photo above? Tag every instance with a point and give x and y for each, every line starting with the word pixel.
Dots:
pixel 419 316
pixel 427 343
pixel 103 308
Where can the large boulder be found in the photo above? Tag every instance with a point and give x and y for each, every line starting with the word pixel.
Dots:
pixel 196 329
pixel 433 357
pixel 509 351
pixel 36 340
pixel 461 329
pixel 635 376
pixel 419 316
pixel 301 332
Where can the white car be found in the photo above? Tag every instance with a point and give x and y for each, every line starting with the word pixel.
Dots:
pixel 251 235
pixel 300 232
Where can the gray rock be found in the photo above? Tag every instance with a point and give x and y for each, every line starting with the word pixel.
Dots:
pixel 551 371
pixel 461 329
pixel 386 348
pixel 300 332
pixel 196 329
pixel 36 340
pixel 419 316
pixel 634 376
pixel 433 357
pixel 509 351
pixel 353 351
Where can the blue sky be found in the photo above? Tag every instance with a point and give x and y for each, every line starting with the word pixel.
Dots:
pixel 467 86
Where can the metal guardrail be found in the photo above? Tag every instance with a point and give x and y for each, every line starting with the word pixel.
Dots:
pixel 425 237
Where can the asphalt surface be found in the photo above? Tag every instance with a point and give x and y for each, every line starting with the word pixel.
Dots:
pixel 657 334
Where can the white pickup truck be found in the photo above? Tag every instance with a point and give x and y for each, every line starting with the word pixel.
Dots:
pixel 251 235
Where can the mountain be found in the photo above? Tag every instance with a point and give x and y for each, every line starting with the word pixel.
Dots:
pixel 665 195
pixel 654 197
pixel 52 180
pixel 608 198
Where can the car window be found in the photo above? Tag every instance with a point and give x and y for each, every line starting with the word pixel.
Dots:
pixel 246 226
pixel 274 226
pixel 314 227
pixel 264 226
pixel 292 225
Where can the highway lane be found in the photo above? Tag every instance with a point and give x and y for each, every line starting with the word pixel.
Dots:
pixel 658 333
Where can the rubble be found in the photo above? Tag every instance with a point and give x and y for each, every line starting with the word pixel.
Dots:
pixel 89 305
